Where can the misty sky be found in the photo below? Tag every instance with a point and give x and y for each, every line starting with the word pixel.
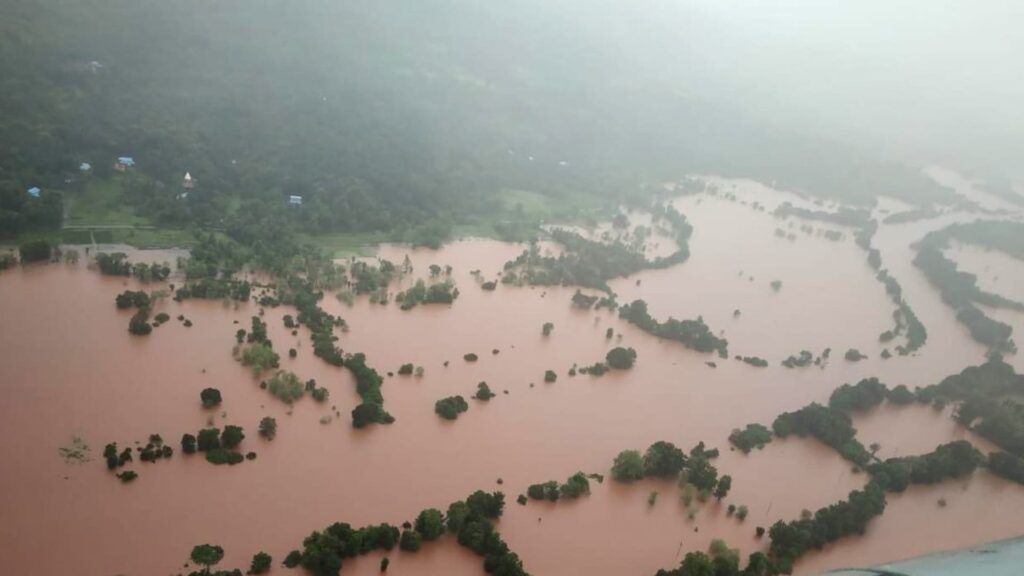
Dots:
pixel 930 80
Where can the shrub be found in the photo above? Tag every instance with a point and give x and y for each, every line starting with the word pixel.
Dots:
pixel 34 251
pixel 621 358
pixel 430 524
pixel 286 386
pixel 221 456
pixel 232 436
pixel 449 408
pixel 753 436
pixel 411 541
pixel 550 376
pixel 188 444
pixel 854 355
pixel 260 357
pixel 210 397
pixel 260 563
pixel 209 439
pixel 483 392
pixel 628 466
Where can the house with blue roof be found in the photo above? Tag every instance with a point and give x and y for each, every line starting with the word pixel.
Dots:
pixel 295 200
pixel 34 192
pixel 84 167
pixel 124 163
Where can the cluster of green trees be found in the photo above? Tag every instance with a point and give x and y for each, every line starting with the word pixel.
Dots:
pixel 575 486
pixel 115 459
pixel 219 447
pixel 952 460
pixel 117 264
pixel 620 358
pixel 324 551
pixel 859 397
pixel 790 540
pixel 907 322
pixel 1004 235
pixel 210 397
pixel 215 289
pixel 260 357
pixel 665 460
pixel 960 289
pixel 617 358
pixel 207 555
pixel 829 426
pixel 368 382
pixel 483 392
pixel 982 391
pixel 854 355
pixel 268 427
pixel 286 386
pixel 853 217
pixel 753 361
pixel 582 262
pixel 721 561
pixel 449 408
pixel 987 395
pixel 438 293
pixel 34 251
pixel 132 299
pixel 693 334
pixel 590 264
pixel 752 436
pixel 1007 465
pixel 154 450
pixel 139 323
pixel 584 301
pixel 802 360
pixel 21 212
pixel 367 278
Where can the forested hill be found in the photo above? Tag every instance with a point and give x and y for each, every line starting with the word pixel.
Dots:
pixel 380 114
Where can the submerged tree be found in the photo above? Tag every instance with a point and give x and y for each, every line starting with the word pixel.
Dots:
pixel 210 397
pixel 207 555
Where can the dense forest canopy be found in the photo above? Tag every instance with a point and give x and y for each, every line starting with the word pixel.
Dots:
pixel 379 114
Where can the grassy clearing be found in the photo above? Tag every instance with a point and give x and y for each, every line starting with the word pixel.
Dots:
pixel 100 203
pixel 154 237
pixel 344 245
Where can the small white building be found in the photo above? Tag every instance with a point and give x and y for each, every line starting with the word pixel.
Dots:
pixel 35 192
pixel 85 167
pixel 124 163
pixel 188 183
pixel 295 200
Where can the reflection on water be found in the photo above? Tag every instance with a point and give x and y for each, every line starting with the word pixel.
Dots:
pixel 71 368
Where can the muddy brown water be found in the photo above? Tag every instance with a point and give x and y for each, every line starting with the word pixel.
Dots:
pixel 69 368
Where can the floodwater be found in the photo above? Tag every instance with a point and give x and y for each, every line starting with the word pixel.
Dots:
pixel 70 368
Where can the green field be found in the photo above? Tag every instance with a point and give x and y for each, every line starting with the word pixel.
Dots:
pixel 344 245
pixel 100 203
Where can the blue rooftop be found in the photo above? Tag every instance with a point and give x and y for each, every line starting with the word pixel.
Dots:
pixel 126 160
pixel 34 191
pixel 297 200
pixel 85 166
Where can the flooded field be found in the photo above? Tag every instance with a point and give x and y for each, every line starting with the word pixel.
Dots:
pixel 71 369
